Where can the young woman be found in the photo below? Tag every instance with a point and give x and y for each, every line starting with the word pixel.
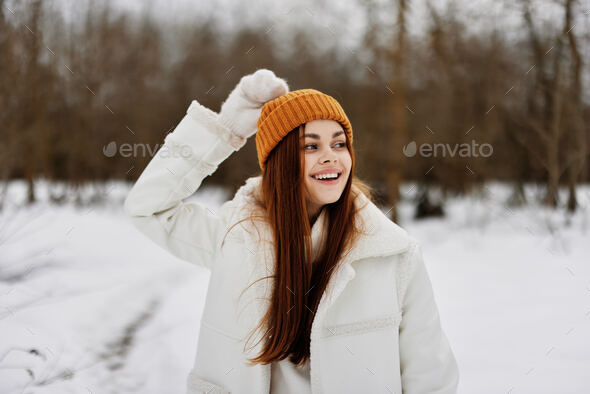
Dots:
pixel 313 289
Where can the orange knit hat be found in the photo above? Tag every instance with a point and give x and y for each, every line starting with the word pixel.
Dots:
pixel 284 113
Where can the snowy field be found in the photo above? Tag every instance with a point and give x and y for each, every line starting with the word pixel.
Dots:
pixel 89 305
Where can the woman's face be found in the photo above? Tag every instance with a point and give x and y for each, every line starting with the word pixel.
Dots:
pixel 325 154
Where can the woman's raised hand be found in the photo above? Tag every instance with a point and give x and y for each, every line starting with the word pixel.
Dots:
pixel 241 110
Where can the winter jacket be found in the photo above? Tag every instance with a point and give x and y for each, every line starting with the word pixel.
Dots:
pixel 377 327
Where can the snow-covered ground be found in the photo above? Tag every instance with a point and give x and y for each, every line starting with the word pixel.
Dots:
pixel 89 305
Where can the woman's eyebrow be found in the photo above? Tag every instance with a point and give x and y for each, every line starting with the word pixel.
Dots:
pixel 317 137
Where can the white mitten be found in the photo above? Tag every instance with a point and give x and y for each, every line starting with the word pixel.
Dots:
pixel 241 110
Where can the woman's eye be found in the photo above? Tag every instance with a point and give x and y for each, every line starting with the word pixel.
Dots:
pixel 314 146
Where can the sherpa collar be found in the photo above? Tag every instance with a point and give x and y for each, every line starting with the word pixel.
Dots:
pixel 381 237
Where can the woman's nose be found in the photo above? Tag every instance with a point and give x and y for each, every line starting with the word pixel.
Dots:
pixel 328 155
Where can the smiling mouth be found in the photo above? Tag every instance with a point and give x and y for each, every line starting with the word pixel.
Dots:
pixel 327 179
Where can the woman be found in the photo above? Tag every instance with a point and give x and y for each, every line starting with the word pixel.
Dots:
pixel 313 289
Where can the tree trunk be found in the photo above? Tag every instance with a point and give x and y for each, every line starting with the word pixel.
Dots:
pixel 400 127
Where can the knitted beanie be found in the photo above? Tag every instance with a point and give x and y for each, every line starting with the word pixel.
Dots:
pixel 284 113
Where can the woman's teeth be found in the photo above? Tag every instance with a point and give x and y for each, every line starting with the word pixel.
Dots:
pixel 326 176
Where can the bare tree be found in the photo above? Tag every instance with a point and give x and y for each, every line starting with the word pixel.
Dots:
pixel 545 105
pixel 554 107
pixel 399 112
pixel 579 145
pixel 7 73
pixel 30 111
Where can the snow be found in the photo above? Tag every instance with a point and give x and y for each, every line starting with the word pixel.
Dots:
pixel 90 305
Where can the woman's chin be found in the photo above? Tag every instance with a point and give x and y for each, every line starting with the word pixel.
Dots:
pixel 328 198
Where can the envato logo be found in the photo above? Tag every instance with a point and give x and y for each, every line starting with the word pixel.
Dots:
pixel 136 150
pixel 462 150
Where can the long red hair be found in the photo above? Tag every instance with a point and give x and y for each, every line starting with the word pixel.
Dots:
pixel 298 282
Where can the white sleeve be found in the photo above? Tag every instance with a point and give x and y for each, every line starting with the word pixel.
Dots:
pixel 426 359
pixel 194 150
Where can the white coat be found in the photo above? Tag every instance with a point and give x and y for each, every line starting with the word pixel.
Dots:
pixel 377 327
